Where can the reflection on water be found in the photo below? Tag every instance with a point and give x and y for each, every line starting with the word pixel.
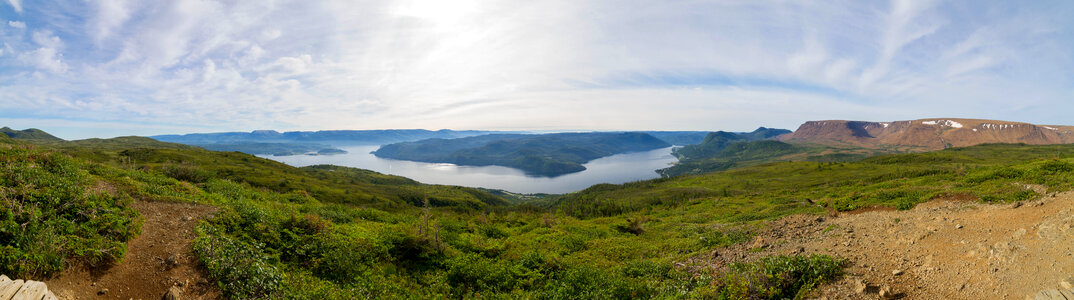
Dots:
pixel 612 169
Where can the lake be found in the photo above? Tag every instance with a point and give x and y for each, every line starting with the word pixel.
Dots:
pixel 617 168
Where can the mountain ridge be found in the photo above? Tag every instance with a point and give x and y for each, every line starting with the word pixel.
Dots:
pixel 928 134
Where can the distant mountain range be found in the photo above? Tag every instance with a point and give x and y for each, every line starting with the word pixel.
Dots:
pixel 539 155
pixel 333 137
pixel 928 134
pixel 271 142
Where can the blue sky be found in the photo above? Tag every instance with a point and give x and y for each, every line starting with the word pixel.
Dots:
pixel 102 68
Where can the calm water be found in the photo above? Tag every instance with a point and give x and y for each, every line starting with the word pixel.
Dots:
pixel 612 169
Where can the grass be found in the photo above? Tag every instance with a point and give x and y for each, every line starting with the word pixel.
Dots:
pixel 329 232
pixel 54 213
pixel 993 173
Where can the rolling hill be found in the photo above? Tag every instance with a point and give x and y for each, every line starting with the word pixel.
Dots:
pixel 29 134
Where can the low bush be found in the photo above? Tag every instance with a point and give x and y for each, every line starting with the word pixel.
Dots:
pixel 778 277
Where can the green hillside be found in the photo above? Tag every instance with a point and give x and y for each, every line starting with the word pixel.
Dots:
pixel 327 232
pixel 716 141
pixel 29 134
pixel 992 173
pixel 739 154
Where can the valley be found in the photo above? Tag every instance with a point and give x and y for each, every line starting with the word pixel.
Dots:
pixel 822 215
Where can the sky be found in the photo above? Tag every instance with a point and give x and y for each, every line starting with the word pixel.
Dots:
pixel 103 68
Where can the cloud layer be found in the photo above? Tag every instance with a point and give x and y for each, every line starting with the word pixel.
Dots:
pixel 87 67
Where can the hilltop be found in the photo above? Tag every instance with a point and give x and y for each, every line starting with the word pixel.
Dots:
pixel 29 134
pixel 928 134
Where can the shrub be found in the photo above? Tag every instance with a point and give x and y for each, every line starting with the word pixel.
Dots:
pixel 779 277
pixel 51 218
pixel 722 238
pixel 586 282
pixel 186 172
pixel 241 270
pixel 635 225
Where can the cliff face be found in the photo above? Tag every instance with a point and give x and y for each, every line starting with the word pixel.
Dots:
pixel 929 134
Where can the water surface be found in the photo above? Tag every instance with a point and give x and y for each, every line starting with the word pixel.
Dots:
pixel 618 168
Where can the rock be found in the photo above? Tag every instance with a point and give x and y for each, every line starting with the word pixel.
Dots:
pixel 860 286
pixel 1067 283
pixel 172 260
pixel 960 286
pixel 1049 295
pixel 1016 204
pixel 1067 294
pixel 715 253
pixel 758 243
pixel 102 292
pixel 9 287
pixel 896 272
pixel 31 290
pixel 886 293
pixel 174 293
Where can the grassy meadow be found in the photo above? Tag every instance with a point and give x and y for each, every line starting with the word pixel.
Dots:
pixel 342 233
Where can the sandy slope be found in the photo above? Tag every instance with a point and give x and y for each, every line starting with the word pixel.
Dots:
pixel 945 249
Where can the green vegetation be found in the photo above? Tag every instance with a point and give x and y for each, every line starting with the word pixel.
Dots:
pixel 993 173
pixel 751 153
pixel 56 210
pixel 539 155
pixel 278 149
pixel 29 134
pixel 342 233
pixel 717 141
pixel 779 277
pixel 725 150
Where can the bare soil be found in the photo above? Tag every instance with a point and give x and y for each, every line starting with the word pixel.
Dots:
pixel 156 260
pixel 944 249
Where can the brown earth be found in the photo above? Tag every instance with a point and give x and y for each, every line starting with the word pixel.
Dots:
pixel 158 259
pixel 944 249
pixel 928 134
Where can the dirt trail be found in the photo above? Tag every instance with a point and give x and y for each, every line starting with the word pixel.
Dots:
pixel 945 249
pixel 156 260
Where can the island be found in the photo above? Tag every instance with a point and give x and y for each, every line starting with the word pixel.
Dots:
pixel 547 155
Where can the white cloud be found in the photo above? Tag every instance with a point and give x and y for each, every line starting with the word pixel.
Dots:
pixel 110 15
pixel 17 4
pixel 48 59
pixel 45 38
pixel 563 64
pixel 16 24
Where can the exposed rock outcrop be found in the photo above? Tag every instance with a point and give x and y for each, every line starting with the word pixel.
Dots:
pixel 928 134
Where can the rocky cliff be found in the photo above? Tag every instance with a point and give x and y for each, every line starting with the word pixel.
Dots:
pixel 929 134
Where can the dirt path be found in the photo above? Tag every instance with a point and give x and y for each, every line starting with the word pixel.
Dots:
pixel 156 260
pixel 947 249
